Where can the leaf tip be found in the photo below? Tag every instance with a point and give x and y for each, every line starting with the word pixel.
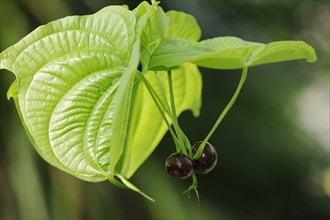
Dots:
pixel 12 91
pixel 313 57
pixel 124 183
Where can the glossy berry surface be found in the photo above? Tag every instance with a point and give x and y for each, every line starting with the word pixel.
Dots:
pixel 179 166
pixel 208 159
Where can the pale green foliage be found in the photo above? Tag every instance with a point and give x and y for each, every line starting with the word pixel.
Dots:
pixel 77 92
pixel 226 53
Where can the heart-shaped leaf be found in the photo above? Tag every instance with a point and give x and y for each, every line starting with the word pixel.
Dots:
pixel 66 71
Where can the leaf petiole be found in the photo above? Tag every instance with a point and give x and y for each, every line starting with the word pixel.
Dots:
pixel 172 113
pixel 185 140
pixel 223 113
pixel 160 106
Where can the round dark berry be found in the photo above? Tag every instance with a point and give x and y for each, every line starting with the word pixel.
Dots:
pixel 208 159
pixel 179 166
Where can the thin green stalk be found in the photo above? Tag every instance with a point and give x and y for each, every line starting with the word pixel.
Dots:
pixel 158 103
pixel 158 99
pixel 162 90
pixel 223 113
pixel 172 114
pixel 170 84
pixel 184 137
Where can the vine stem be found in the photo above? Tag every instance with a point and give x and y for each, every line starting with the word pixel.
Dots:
pixel 160 105
pixel 172 112
pixel 186 143
pixel 223 113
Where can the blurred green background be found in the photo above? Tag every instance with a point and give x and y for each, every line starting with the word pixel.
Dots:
pixel 273 146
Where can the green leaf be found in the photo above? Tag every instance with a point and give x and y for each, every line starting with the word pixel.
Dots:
pixel 226 53
pixel 68 73
pixel 222 53
pixel 123 101
pixel 182 25
pixel 283 51
pixel 154 23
